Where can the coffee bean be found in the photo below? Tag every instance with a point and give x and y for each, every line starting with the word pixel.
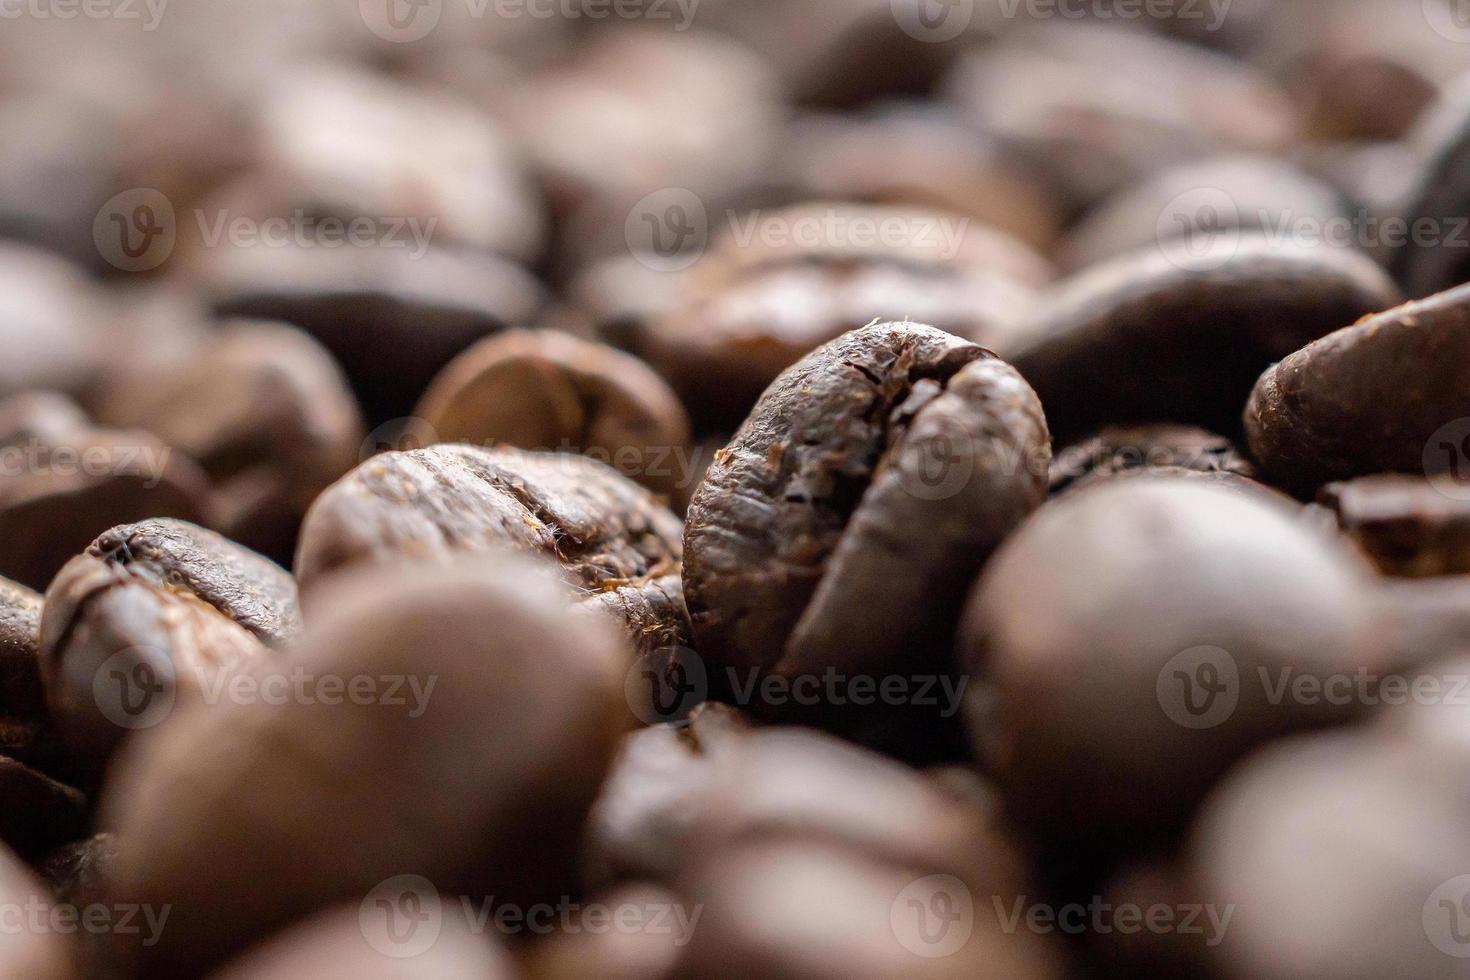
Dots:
pixel 63 482
pixel 267 414
pixel 1429 256
pixel 1156 450
pixel 794 561
pixel 360 302
pixel 453 726
pixel 1403 524
pixel 25 731
pixel 548 391
pixel 644 944
pixel 1386 394
pixel 753 310
pixel 1129 636
pixel 51 316
pixel 37 812
pixel 45 954
pixel 151 616
pixel 617 547
pixel 1151 338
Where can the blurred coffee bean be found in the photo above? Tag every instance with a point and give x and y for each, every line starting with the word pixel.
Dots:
pixel 799 909
pixel 64 482
pixel 1147 451
pixel 616 298
pixel 1429 253
pixel 79 876
pixel 1212 197
pixel 1154 336
pixel 1158 926
pixel 37 813
pixel 244 817
pixel 365 943
pixel 154 616
pixel 545 390
pixel 644 943
pixel 1422 620
pixel 1342 857
pixel 1128 638
pixel 910 154
pixel 1403 524
pixel 1098 107
pixel 268 415
pixel 781 284
pixel 651 804
pixel 842 526
pixel 616 546
pixel 393 317
pixel 50 319
pixel 25 730
pixel 39 953
pixel 1391 393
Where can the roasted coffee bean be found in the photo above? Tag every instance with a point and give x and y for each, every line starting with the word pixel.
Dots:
pixel 366 943
pixel 1147 451
pixel 1342 857
pixel 393 318
pixel 807 909
pixel 1430 257
pixel 651 927
pixel 64 482
pixel 490 717
pixel 1403 524
pixel 1150 337
pixel 79 875
pixel 153 614
pixel 267 414
pixel 545 390
pixel 616 546
pixel 753 310
pixel 1389 394
pixel 1127 639
pixel 1184 205
pixel 825 539
pixel 26 732
pixel 40 953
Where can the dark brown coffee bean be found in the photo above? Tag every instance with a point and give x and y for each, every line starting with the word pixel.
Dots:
pixel 363 302
pixel 42 953
pixel 353 943
pixel 1219 196
pixel 296 802
pixel 548 391
pixel 1389 394
pixel 37 813
pixel 802 909
pixel 1129 635
pixel 25 730
pixel 1151 337
pixel 1162 944
pixel 267 414
pixel 1430 256
pixel 1403 524
pixel 754 309
pixel 1147 451
pixel 150 616
pixel 63 482
pixel 824 537
pixel 617 547
pixel 1342 857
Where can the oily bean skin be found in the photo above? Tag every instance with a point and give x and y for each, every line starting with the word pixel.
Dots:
pixel 815 541
pixel 1368 398
pixel 25 732
pixel 1146 338
pixel 1083 628
pixel 165 608
pixel 547 390
pixel 479 784
pixel 617 547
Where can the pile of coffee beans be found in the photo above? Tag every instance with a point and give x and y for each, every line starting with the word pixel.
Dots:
pixel 688 489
